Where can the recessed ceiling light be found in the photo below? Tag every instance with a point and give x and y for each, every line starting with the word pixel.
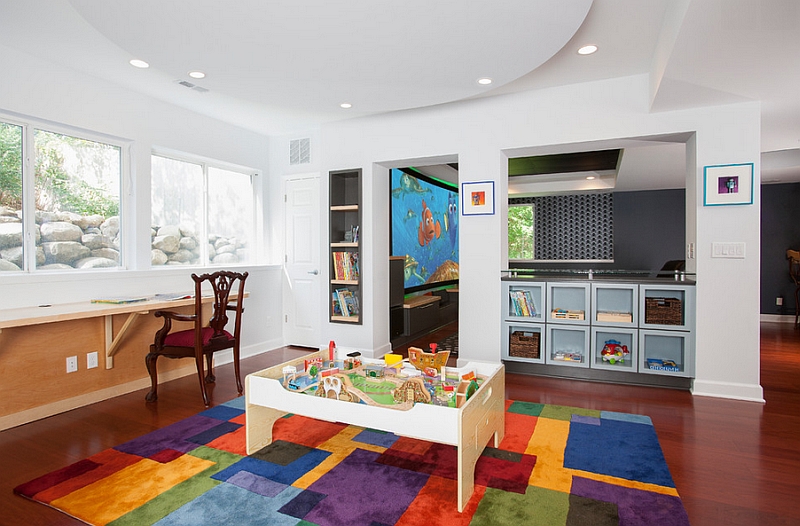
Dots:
pixel 139 63
pixel 590 178
pixel 346 105
pixel 587 50
pixel 197 74
pixel 485 81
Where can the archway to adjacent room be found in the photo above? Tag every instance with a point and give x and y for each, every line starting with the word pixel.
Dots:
pixel 423 208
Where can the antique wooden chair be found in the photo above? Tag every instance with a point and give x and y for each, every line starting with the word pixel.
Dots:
pixel 794 272
pixel 201 341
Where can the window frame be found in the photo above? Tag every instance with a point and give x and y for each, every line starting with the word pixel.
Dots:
pixel 29 126
pixel 205 163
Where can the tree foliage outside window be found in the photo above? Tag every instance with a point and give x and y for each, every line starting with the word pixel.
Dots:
pixel 520 232
pixel 10 166
pixel 76 175
pixel 75 201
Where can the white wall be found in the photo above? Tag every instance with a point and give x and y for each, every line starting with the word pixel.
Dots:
pixel 30 87
pixel 479 131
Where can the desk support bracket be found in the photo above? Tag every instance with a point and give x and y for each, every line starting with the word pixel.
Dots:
pixel 112 344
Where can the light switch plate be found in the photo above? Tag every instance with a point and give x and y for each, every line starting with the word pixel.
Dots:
pixel 729 250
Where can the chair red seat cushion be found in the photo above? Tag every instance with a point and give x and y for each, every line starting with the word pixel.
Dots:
pixel 186 338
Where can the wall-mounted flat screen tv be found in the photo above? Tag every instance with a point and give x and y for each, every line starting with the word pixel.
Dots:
pixel 424 229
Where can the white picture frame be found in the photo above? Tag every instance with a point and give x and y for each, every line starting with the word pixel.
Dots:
pixel 728 184
pixel 477 198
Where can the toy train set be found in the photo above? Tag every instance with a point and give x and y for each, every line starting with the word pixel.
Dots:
pixel 389 382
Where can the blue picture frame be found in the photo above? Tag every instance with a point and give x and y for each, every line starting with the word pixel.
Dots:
pixel 728 184
pixel 477 198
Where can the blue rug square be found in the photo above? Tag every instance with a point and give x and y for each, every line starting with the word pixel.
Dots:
pixel 618 448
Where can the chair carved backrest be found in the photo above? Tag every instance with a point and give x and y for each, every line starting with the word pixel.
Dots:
pixel 224 284
pixel 794 265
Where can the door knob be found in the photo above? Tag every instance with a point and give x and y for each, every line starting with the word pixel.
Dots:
pixel 315 272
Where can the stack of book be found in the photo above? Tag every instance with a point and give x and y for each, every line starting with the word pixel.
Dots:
pixel 522 302
pixel 345 303
pixel 345 266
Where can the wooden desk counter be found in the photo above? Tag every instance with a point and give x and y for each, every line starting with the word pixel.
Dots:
pixel 25 316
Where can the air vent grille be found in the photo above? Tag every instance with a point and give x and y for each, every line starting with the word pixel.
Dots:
pixel 300 151
pixel 195 87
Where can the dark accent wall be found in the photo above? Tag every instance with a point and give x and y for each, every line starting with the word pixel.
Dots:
pixel 780 231
pixel 649 230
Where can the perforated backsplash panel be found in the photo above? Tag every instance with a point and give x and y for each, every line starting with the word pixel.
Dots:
pixel 572 227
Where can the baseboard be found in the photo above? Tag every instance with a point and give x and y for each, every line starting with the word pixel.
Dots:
pixel 62 406
pixel 777 318
pixel 729 390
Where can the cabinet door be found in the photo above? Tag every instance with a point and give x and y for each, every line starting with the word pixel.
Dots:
pixel 666 307
pixel 567 345
pixel 523 301
pixel 667 353
pixel 523 342
pixel 568 303
pixel 615 305
pixel 614 349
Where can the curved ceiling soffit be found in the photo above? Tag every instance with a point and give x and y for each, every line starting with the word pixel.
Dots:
pixel 307 53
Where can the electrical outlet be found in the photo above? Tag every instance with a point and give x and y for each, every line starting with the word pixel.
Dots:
pixel 779 301
pixel 72 364
pixel 91 360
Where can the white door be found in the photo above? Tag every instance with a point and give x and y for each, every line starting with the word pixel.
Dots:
pixel 302 300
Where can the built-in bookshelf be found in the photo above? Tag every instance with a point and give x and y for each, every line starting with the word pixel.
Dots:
pixel 345 275
pixel 601 324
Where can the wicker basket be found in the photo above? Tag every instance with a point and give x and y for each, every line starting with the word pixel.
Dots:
pixel 524 344
pixel 663 311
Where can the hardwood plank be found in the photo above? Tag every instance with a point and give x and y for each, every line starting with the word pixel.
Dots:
pixel 733 463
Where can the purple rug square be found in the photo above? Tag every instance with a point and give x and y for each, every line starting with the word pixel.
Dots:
pixel 302 504
pixel 376 438
pixel 636 507
pixel 254 483
pixel 214 433
pixel 357 492
pixel 170 437
pixel 591 420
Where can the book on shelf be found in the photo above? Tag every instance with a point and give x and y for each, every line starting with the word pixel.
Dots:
pixel 345 266
pixel 522 302
pixel 345 303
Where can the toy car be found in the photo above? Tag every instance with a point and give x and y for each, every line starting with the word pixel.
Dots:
pixel 614 352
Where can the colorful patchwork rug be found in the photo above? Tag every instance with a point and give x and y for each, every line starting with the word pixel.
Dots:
pixel 556 466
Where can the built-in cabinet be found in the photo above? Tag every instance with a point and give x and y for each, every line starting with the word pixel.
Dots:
pixel 345 246
pixel 645 327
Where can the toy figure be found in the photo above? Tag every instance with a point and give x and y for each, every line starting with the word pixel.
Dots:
pixel 422 360
pixel 614 352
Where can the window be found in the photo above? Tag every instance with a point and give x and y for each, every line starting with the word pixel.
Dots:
pixel 69 217
pixel 202 213
pixel 520 232
pixel 561 228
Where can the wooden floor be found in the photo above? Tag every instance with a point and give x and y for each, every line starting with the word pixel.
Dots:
pixel 734 463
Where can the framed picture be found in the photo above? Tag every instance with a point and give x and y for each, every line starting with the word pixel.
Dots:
pixel 728 184
pixel 477 198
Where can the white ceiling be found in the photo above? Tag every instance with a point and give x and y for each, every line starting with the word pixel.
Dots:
pixel 283 66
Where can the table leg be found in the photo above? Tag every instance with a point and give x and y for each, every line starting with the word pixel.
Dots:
pixel 112 344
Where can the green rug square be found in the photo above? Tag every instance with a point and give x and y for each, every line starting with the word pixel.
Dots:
pixel 537 507
pixel 526 408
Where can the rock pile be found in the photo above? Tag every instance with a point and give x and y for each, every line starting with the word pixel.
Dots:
pixel 65 240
